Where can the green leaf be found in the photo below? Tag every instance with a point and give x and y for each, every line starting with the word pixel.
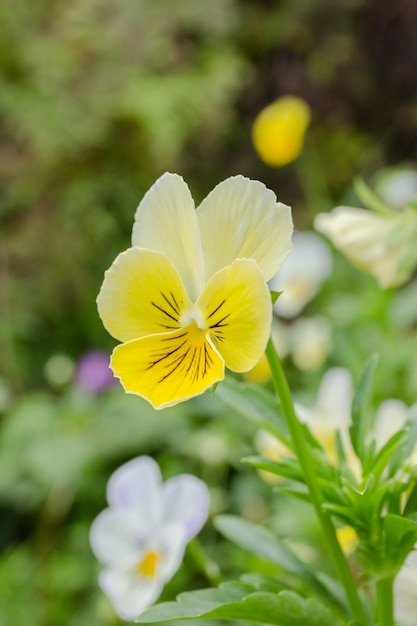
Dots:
pixel 274 295
pixel 264 543
pixel 411 506
pixel 362 419
pixel 286 470
pixel 257 404
pixel 231 601
pixel 400 537
pixel 377 464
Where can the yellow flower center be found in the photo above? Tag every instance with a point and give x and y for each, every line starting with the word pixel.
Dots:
pixel 193 315
pixel 148 565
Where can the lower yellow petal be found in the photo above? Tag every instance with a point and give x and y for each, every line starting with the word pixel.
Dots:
pixel 168 368
pixel 238 313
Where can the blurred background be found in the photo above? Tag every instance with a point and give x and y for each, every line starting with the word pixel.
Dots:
pixel 97 99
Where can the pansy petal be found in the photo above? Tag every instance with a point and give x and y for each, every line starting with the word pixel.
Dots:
pixel 170 543
pixel 238 310
pixel 165 221
pixel 187 500
pixel 142 294
pixel 129 595
pixel 334 398
pixel 169 367
pixel 116 535
pixel 138 485
pixel 241 218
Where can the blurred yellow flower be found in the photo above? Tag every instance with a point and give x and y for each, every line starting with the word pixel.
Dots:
pixel 191 296
pixel 270 448
pixel 279 129
pixel 347 538
pixel 383 244
pixel 260 373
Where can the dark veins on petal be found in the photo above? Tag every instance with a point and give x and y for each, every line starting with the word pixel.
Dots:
pixel 170 309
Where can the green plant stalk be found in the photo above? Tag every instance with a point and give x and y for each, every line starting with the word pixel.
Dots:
pixel 385 603
pixel 306 463
pixel 207 566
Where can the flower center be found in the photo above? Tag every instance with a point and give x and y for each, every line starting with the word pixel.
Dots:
pixel 193 315
pixel 148 565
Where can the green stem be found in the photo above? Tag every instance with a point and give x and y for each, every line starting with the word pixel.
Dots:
pixel 207 566
pixel 306 463
pixel 385 604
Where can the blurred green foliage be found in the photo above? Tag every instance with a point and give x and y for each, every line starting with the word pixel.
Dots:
pixel 97 99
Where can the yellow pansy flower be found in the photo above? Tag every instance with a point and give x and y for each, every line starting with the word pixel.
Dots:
pixel 279 129
pixel 190 296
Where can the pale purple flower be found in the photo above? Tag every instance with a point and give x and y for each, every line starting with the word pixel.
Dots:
pixel 93 373
pixel 142 535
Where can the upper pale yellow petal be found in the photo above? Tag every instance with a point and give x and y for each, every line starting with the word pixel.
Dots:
pixel 165 221
pixel 169 367
pixel 142 294
pixel 237 307
pixel 241 219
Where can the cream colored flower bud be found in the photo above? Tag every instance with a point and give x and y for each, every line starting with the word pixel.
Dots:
pixel 383 244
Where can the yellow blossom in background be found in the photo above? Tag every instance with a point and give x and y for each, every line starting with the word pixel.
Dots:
pixel 271 448
pixel 347 538
pixel 279 129
pixel 190 296
pixel 383 244
pixel 261 373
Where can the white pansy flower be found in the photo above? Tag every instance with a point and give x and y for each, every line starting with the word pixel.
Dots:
pixel 310 342
pixel 141 536
pixel 397 186
pixel 382 244
pixel 306 267
pixel 332 413
pixel 405 592
pixel 390 417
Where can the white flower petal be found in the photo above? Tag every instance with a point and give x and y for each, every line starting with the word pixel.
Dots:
pixel 187 500
pixel 240 219
pixel 334 398
pixel 390 417
pixel 130 595
pixel 119 535
pixel 405 592
pixel 308 264
pixel 138 484
pixel 170 541
pixel 165 221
